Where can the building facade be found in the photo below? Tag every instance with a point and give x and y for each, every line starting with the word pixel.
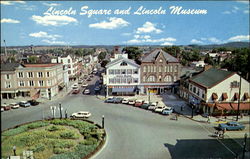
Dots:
pixel 122 76
pixel 159 72
pixel 31 80
pixel 218 92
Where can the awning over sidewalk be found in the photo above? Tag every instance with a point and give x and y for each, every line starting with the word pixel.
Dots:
pixel 243 106
pixel 129 89
pixel 224 106
pixel 62 85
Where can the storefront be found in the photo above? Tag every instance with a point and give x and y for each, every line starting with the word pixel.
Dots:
pixel 122 90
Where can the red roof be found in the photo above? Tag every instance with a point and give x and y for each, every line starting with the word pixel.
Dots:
pixel 41 65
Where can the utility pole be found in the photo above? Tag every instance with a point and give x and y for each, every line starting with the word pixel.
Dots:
pixel 103 121
pixel 238 110
pixel 244 146
pixel 60 108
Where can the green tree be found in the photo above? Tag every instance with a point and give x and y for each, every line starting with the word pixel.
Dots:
pixel 33 59
pixel 101 56
pixel 104 63
pixel 172 50
pixel 133 53
pixel 208 60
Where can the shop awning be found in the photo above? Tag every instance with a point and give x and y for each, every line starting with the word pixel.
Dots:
pixel 246 96
pixel 224 106
pixel 243 106
pixel 61 85
pixel 214 96
pixel 224 96
pixel 129 89
pixel 236 96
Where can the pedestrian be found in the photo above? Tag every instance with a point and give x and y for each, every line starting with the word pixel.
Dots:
pixel 208 119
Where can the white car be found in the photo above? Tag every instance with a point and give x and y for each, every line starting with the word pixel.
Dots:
pixel 152 106
pixel 81 114
pixel 2 109
pixel 75 86
pixel 14 105
pixel 86 91
pixel 131 102
pixel 84 85
pixel 125 101
pixel 159 109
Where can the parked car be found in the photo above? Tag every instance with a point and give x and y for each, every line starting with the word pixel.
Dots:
pixel 152 106
pixel 146 104
pixel 110 100
pixel 14 105
pixel 24 104
pixel 89 79
pixel 75 86
pixel 5 106
pixel 159 109
pixel 80 82
pixel 125 101
pixel 232 125
pixel 84 85
pixel 118 100
pixel 138 103
pixel 2 109
pixel 86 91
pixel 81 114
pixel 76 91
pixel 33 102
pixel 91 76
pixel 131 102
pixel 97 88
pixel 168 111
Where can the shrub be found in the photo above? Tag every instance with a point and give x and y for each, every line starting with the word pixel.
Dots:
pixel 67 135
pixel 90 141
pixel 37 125
pixel 53 128
pixel 64 144
pixel 59 150
pixel 38 148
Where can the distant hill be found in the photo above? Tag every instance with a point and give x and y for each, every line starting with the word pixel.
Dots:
pixel 226 45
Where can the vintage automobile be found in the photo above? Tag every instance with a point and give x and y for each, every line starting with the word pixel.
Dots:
pixel 14 105
pixel 167 111
pixel 125 101
pixel 152 106
pixel 81 114
pixel 86 91
pixel 232 125
pixel 5 106
pixel 75 86
pixel 76 91
pixel 146 104
pixel 118 100
pixel 24 104
pixel 131 101
pixel 159 109
pixel 110 100
pixel 138 103
pixel 33 102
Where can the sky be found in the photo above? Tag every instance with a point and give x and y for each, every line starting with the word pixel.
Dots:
pixel 25 23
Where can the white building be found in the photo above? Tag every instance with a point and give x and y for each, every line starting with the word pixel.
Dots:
pixel 122 76
pixel 217 91
pixel 197 64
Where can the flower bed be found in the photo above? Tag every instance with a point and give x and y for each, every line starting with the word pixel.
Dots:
pixel 54 139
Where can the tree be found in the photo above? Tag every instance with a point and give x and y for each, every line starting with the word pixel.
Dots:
pixel 172 50
pixel 101 56
pixel 208 60
pixel 104 63
pixel 33 59
pixel 133 53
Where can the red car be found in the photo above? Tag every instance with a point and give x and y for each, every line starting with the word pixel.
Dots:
pixel 6 107
pixel 76 91
pixel 138 103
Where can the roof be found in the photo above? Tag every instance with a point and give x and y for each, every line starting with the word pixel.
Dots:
pixel 121 59
pixel 211 77
pixel 42 65
pixel 154 54
pixel 9 66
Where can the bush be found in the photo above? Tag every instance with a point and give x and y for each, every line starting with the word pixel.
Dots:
pixel 59 150
pixel 64 144
pixel 90 141
pixel 53 128
pixel 38 148
pixel 68 135
pixel 37 125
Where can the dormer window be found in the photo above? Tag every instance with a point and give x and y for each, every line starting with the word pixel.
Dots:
pixel 160 60
pixel 123 64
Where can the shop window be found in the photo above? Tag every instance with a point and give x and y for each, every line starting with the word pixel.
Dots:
pixel 135 71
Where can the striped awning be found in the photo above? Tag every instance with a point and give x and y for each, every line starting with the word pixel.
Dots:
pixel 214 96
pixel 224 96
pixel 129 89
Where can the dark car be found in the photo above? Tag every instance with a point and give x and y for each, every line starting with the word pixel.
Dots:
pixel 76 91
pixel 231 126
pixel 146 104
pixel 110 100
pixel 33 102
pixel 118 100
pixel 97 88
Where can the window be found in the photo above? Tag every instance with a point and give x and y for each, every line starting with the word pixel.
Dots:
pixel 111 80
pixel 191 87
pixel 175 68
pixel 198 92
pixel 151 78
pixel 68 60
pixel 203 95
pixel 171 69
pixel 123 64
pixel 159 78
pixel 49 82
pixel 165 69
pixel 154 68
pixel 129 71
pixel 135 80
pixel 144 78
pixel 117 71
pixel 30 74
pixel 135 71
pixel 144 68
pixel 194 89
pixel 47 74
pixel 235 84
pixel 174 78
pixel 160 67
pixel 124 80
pixel 160 60
pixel 40 83
pixel 7 85
pixel 20 74
pixel 123 71
pixel 7 76
pixel 40 74
pixel 31 83
pixel 21 83
pixel 168 78
pixel 117 80
pixel 69 71
pixel 129 80
pixel 111 72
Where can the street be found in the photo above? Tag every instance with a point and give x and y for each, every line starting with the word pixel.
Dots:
pixel 131 132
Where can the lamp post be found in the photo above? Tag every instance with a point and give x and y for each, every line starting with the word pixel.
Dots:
pixel 60 108
pixel 148 95
pixel 244 146
pixel 14 150
pixel 238 109
pixel 66 114
pixel 103 121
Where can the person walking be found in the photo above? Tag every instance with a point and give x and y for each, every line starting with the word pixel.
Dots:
pixel 208 119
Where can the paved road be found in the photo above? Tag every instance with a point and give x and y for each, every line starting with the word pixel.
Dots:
pixel 133 133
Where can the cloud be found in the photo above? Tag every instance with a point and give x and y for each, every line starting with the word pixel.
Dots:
pixel 11 2
pixel 246 11
pixel 4 20
pixel 51 4
pixel 226 12
pixel 239 38
pixel 54 42
pixel 126 34
pixel 113 23
pixel 243 1
pixel 167 43
pixel 147 39
pixel 194 41
pixel 214 40
pixel 148 27
pixel 42 34
pixel 53 20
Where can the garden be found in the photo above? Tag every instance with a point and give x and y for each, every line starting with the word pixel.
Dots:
pixel 53 139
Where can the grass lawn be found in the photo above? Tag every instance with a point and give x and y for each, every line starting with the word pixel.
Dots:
pixel 54 139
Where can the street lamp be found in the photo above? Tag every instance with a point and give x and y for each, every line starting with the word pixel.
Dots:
pixel 60 108
pixel 103 121
pixel 238 110
pixel 66 114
